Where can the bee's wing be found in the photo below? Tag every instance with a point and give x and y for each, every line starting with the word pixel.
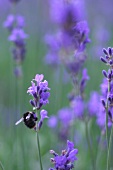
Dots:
pixel 19 121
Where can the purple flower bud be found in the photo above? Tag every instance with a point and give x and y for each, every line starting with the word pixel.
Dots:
pixel 110 51
pixel 103 60
pixel 53 152
pixel 40 124
pixel 103 103
pixel 109 76
pixel 70 145
pixel 105 51
pixel 52 160
pixel 32 103
pixel 38 78
pixel 35 95
pixel 107 57
pixel 104 73
pixel 110 62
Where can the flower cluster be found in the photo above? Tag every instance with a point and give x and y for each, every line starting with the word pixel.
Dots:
pixel 40 94
pixel 15 25
pixel 39 91
pixel 68 44
pixel 107 85
pixel 66 159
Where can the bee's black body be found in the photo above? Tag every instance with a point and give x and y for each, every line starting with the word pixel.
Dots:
pixel 29 119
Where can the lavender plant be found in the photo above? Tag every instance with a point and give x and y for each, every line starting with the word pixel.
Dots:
pixel 108 97
pixel 15 25
pixel 65 161
pixel 67 46
pixel 40 94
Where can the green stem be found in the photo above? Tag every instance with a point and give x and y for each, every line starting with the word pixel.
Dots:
pixel 89 145
pixel 107 137
pixel 1 166
pixel 109 148
pixel 39 153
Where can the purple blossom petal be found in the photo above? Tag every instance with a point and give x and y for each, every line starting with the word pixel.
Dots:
pixel 43 114
pixel 70 145
pixel 72 155
pixel 52 121
pixel 39 78
pixel 17 34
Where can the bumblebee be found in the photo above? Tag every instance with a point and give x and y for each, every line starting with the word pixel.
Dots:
pixel 29 119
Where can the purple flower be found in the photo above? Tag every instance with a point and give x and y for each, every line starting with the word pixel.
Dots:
pixel 93 104
pixel 17 36
pixel 60 162
pixel 9 23
pixel 108 59
pixel 39 91
pixel 52 59
pixel 81 35
pixel 70 145
pixel 68 44
pixel 65 116
pixel 38 78
pixel 65 13
pixel 20 21
pixel 72 155
pixel 52 121
pixel 43 115
pixel 85 77
pixel 78 107
pixel 66 159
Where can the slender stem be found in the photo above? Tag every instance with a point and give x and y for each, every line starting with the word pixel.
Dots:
pixel 39 153
pixel 107 137
pixel 98 149
pixel 89 145
pixel 109 147
pixel 1 166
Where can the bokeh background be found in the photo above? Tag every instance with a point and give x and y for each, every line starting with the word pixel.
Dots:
pixel 18 147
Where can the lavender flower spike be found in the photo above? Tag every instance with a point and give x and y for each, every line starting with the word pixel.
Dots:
pixel 39 91
pixel 66 159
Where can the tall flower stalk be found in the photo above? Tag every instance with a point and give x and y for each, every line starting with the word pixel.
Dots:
pixel 15 24
pixel 39 91
pixel 108 101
